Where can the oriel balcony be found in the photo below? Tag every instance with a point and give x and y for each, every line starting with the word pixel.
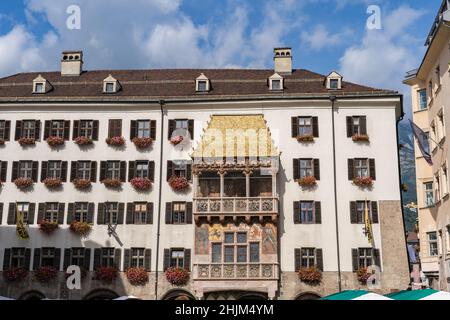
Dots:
pixel 239 271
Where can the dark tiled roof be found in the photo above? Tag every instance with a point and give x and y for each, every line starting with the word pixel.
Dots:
pixel 173 84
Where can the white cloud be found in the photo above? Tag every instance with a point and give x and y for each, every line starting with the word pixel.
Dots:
pixel 320 37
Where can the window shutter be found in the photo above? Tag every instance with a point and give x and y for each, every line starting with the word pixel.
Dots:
pixel 73 171
pixel 27 259
pixel 1 213
pixel 149 213
pixel 126 259
pixel 316 168
pixel 117 259
pixel 87 259
pixel 114 128
pixel 97 258
pixel 31 213
pixel 351 169
pixel 131 170
pixel 191 128
pixel 67 256
pixel 187 259
pixel 296 167
pixel 188 212
pixel 36 258
pixel 35 171
pixel 166 263
pixel 76 129
pixel 18 130
pixel 374 211
pixel 57 259
pixel 353 213
pixel 11 214
pixel 101 213
pixel 153 129
pixel 147 259
pixel 151 170
pixel 64 171
pixel 123 171
pixel 93 171
pixel 172 126
pixel 7 130
pixel 95 130
pixel 15 171
pixel 169 169
pixel 319 259
pixel 294 127
pixel 44 170
pixel 70 213
pixel 189 172
pixel 67 130
pixel 103 168
pixel 61 209
pixel 41 212
pixel 318 212
pixel 7 259
pixel 133 129
pixel 363 124
pixel 298 259
pixel 3 171
pixel 91 208
pixel 297 212
pixel 37 130
pixel 349 127
pixel 376 256
pixel 121 213
pixel 169 213
pixel 373 174
pixel 46 129
pixel 130 211
pixel 315 121
pixel 355 260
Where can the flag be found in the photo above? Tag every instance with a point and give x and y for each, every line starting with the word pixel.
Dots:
pixel 21 230
pixel 368 224
pixel 422 141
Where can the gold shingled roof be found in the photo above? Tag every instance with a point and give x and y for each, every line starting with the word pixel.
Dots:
pixel 236 136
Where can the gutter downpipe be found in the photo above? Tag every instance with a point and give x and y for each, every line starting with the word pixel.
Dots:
pixel 158 234
pixel 333 99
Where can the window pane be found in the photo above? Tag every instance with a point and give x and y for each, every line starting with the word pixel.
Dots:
pixel 229 254
pixel 242 237
pixel 254 252
pixel 229 237
pixel 216 253
pixel 242 254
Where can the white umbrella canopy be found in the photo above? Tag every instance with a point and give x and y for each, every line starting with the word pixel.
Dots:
pixel 5 299
pixel 127 298
pixel 441 295
pixel 372 296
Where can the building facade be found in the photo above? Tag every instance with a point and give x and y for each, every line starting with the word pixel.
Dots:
pixel 430 89
pixel 242 177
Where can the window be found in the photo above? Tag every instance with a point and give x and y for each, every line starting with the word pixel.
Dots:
pixel 107 257
pixel 26 169
pixel 430 89
pixel 360 211
pixel 143 129
pixel 307 212
pixel 140 213
pixel 438 77
pixel 111 213
pixel 51 212
pixel 306 168
pixel 48 257
pixel 433 249
pixel 113 170
pixel 24 210
pixel 429 196
pixel 422 99
pixel 115 128
pixel 86 129
pixel 236 249
pixel 57 128
pixel 433 137
pixel 254 252
pixel 361 167
pixel 276 85
pixel 202 86
pixel 365 257
pixel 177 258
pixel 182 124
pixel 179 213
pixel 180 168
pixel 305 126
pixel 109 87
pixel 216 249
pixel 54 169
pixel 229 237
pixel 437 188
pixel 3 129
pixel 39 87
pixel 29 129
pixel 18 258
pixel 142 169
pixel 81 211
pixel 444 180
pixel 356 125
pixel 84 170
pixel 308 257
pixel 334 84
pixel 229 254
pixel 440 125
pixel 137 257
pixel 77 257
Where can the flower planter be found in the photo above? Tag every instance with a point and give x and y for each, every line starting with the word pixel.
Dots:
pixel 363 275
pixel 309 181
pixel 176 140
pixel 115 141
pixel 23 183
pixel 112 183
pixel 363 182
pixel 177 276
pixel 83 141
pixel 82 229
pixel 2 142
pixel 360 138
pixel 312 275
pixel 82 184
pixel 53 183
pixel 45 274
pixel 137 276
pixel 106 274
pixel 27 141
pixel 178 183
pixel 48 227
pixel 55 141
pixel 305 138
pixel 14 274
pixel 141 184
pixel 142 143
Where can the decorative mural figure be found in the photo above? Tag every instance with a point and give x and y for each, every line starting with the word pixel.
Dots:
pixel 255 232
pixel 269 239
pixel 201 243
pixel 215 233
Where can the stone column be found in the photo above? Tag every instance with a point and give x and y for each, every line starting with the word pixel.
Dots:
pixel 195 175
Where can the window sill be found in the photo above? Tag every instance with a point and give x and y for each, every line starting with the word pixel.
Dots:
pixel 421 110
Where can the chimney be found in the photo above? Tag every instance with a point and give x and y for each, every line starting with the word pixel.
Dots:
pixel 72 63
pixel 283 61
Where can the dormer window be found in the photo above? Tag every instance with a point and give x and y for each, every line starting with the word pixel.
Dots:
pixel 41 85
pixel 334 84
pixel 111 85
pixel 276 82
pixel 334 81
pixel 202 84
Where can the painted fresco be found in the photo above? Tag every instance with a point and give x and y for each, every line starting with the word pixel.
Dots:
pixel 269 239
pixel 201 240
pixel 215 232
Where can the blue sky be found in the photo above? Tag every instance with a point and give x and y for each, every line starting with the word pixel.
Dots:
pixel 324 34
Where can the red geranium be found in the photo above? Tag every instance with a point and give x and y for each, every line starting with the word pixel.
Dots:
pixel 312 275
pixel 81 228
pixel 48 227
pixel 360 138
pixel 115 141
pixel 308 181
pixel 305 138
pixel 45 274
pixel 55 141
pixel 142 143
pixel 14 274
pixel 177 276
pixel 178 183
pixel 176 140
pixel 82 184
pixel 363 275
pixel 363 181
pixel 106 274
pixel 23 183
pixel 2 142
pixel 53 182
pixel 141 184
pixel 137 276
pixel 27 141
pixel 112 183
pixel 83 141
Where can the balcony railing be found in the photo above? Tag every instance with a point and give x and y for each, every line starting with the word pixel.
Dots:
pixel 238 271
pixel 235 206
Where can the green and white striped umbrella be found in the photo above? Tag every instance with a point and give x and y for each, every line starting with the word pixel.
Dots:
pixel 427 294
pixel 356 295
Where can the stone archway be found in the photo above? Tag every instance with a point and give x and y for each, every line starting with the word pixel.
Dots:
pixel 308 296
pixel 32 295
pixel 101 294
pixel 178 294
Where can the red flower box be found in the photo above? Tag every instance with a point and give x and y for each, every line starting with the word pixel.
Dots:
pixel 27 141
pixel 48 227
pixel 137 276
pixel 360 138
pixel 52 183
pixel 14 274
pixel 363 275
pixel 176 140
pixel 82 184
pixel 141 184
pixel 112 183
pixel 312 275
pixel 23 183
pixel 106 274
pixel 178 183
pixel 55 141
pixel 142 143
pixel 363 182
pixel 177 276
pixel 308 181
pixel 82 229
pixel 83 141
pixel 2 142
pixel 45 274
pixel 305 138
pixel 116 141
